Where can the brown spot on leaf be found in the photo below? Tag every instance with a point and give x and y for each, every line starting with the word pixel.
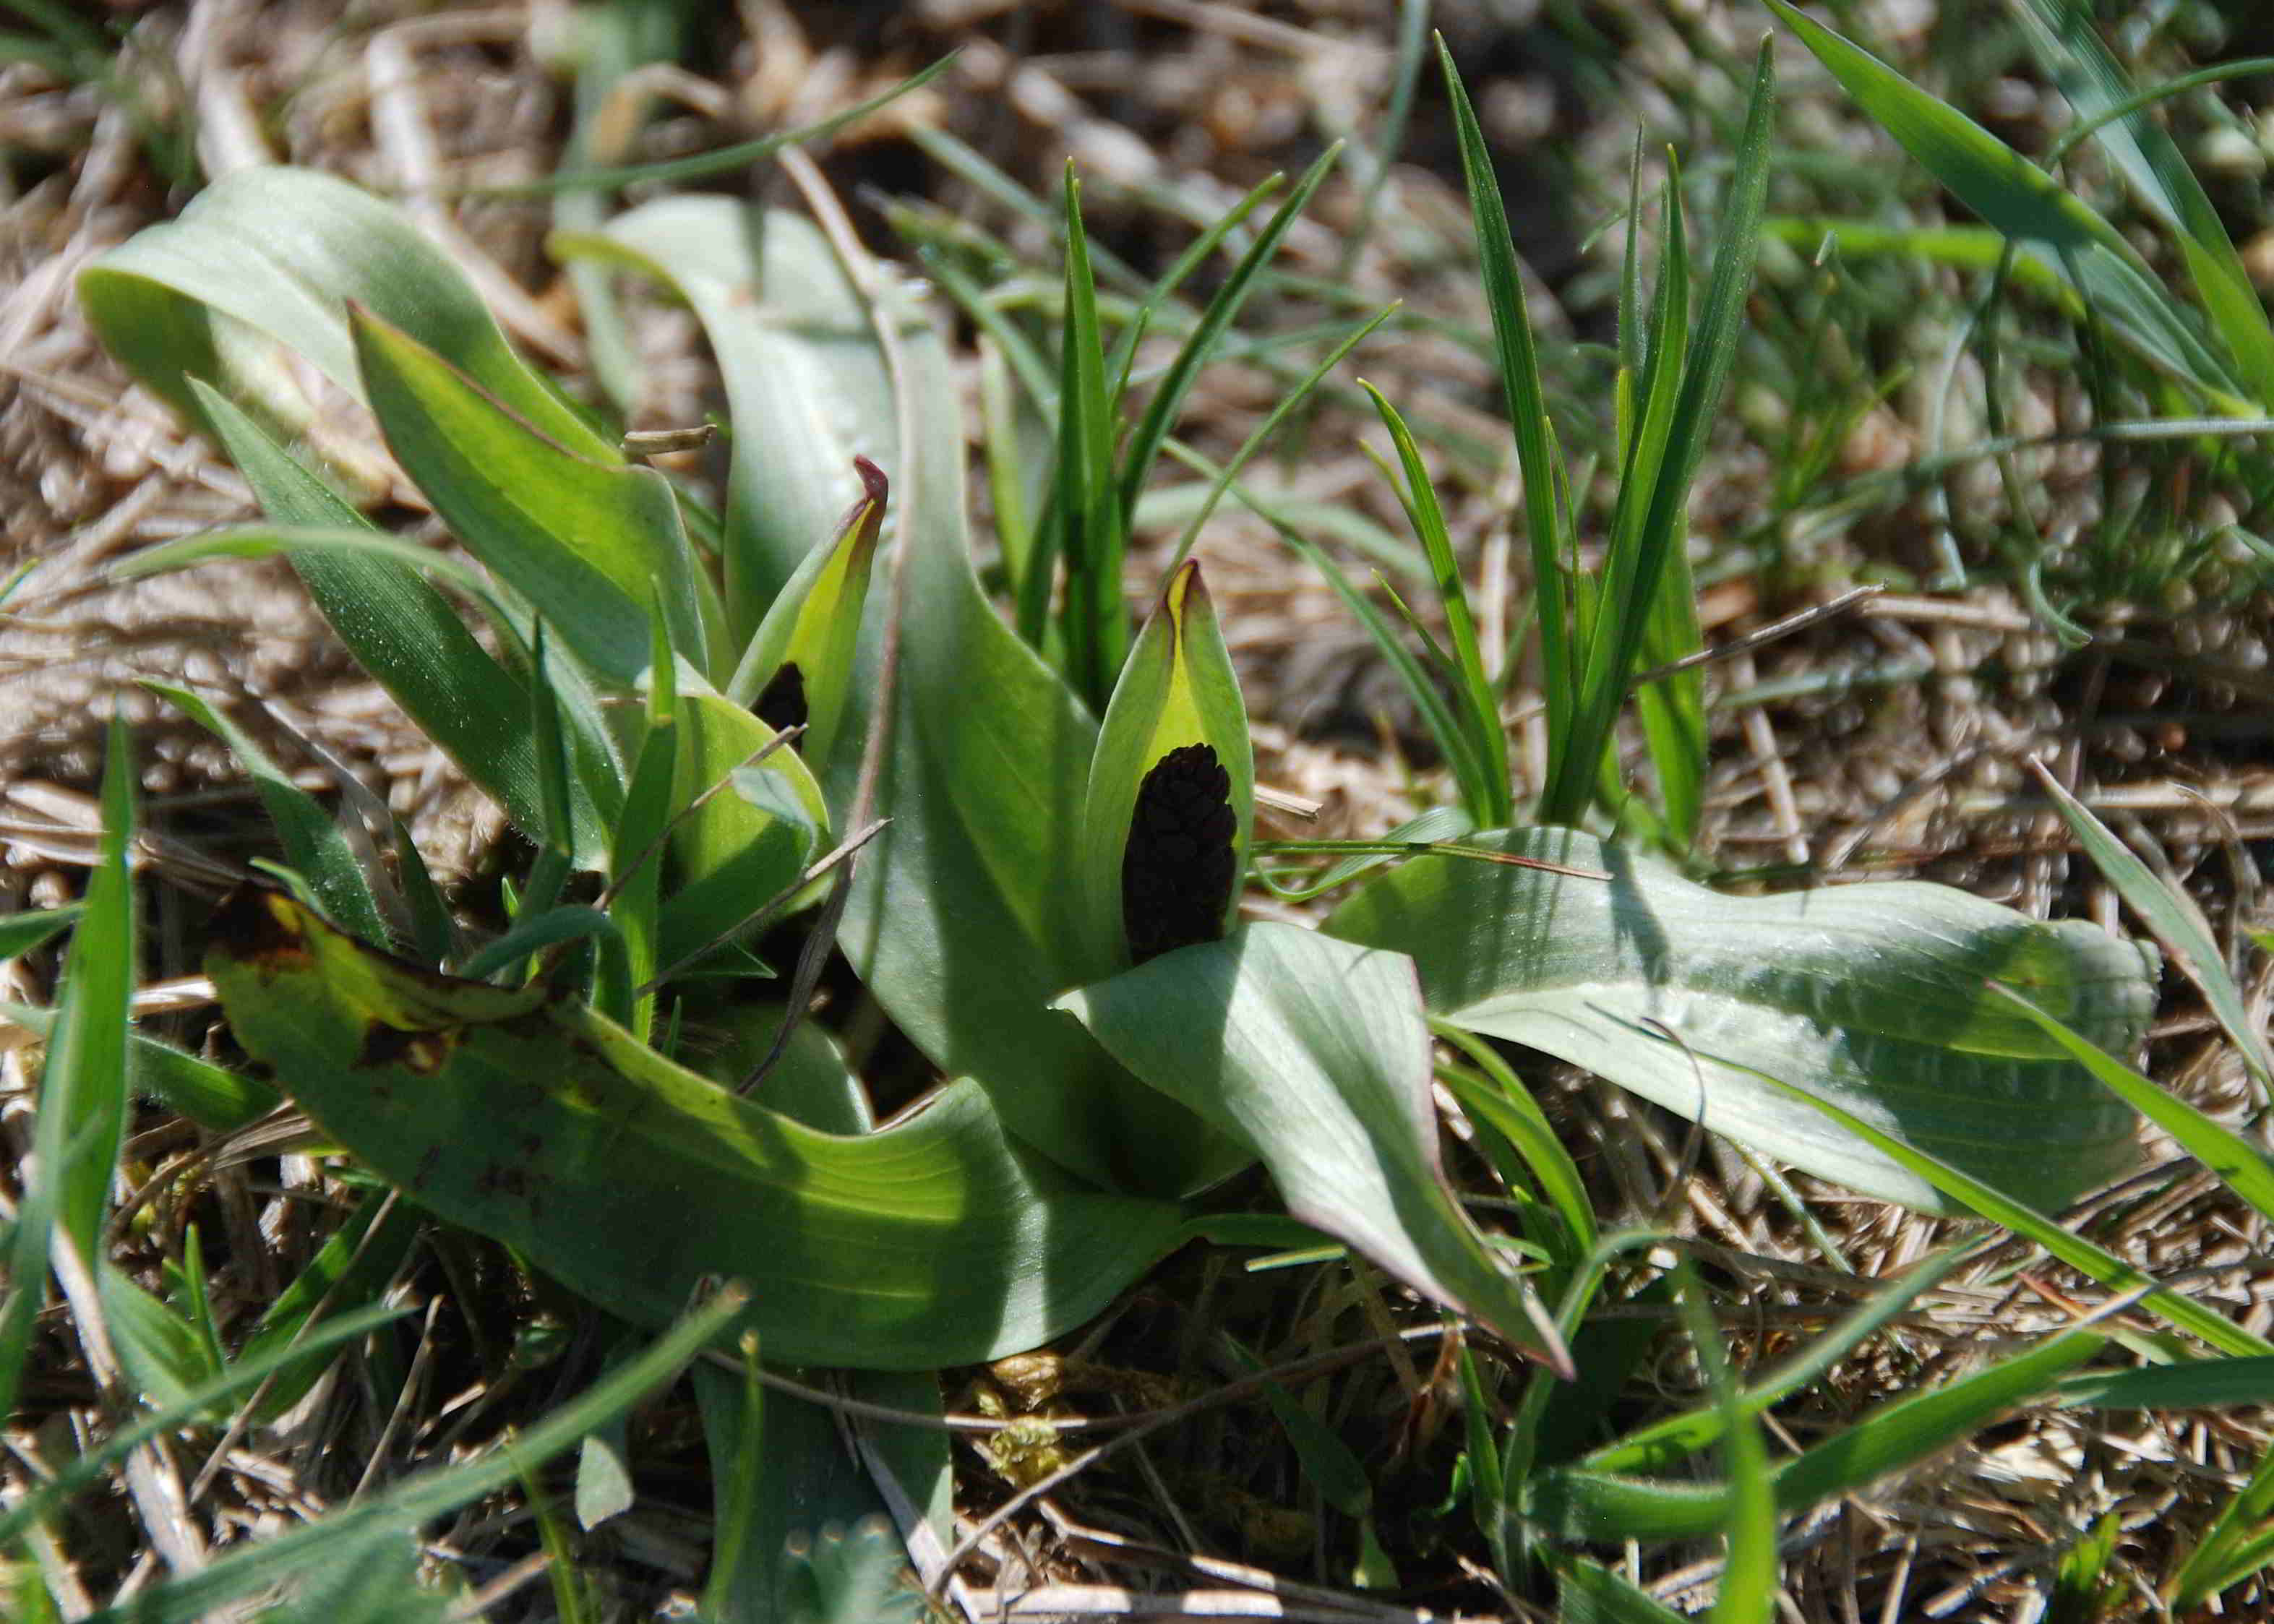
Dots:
pixel 425 1053
pixel 1178 866
pixel 259 926
pixel 382 1045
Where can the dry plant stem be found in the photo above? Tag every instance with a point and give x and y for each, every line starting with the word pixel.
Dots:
pixel 414 1384
pixel 1217 1567
pixel 1776 779
pixel 65 1587
pixel 513 1578
pixel 1111 1601
pixel 862 271
pixel 1775 629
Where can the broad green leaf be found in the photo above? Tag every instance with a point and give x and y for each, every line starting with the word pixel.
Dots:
pixel 408 639
pixel 805 381
pixel 1570 1503
pixel 960 918
pixel 82 1101
pixel 856 1576
pixel 273 256
pixel 1313 1053
pixel 1177 692
pixel 798 669
pixel 587 540
pixel 2024 202
pixel 314 842
pixel 798 1478
pixel 1873 995
pixel 631 1179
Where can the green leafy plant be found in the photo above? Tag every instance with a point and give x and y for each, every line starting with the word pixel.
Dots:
pixel 1026 837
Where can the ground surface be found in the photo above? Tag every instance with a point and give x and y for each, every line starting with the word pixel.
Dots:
pixel 1888 740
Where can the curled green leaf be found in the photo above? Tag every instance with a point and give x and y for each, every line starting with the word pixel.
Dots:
pixel 798 669
pixel 1172 799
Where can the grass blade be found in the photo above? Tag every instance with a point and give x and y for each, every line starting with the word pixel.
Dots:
pixel 20 933
pixel 315 845
pixel 2241 1166
pixel 82 1103
pixel 1478 712
pixel 2061 34
pixel 1085 508
pixel 1579 1505
pixel 2027 204
pixel 429 1494
pixel 2177 924
pixel 1215 320
pixel 1527 407
pixel 2093 1261
pixel 1633 571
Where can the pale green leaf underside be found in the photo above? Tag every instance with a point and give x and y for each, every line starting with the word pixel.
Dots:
pixel 1874 997
pixel 804 380
pixel 1314 1054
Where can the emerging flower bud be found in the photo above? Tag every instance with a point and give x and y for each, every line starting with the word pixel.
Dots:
pixel 1179 866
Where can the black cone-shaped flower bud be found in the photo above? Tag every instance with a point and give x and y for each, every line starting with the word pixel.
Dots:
pixel 1178 866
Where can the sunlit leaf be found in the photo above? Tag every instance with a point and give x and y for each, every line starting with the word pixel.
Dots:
pixel 631 1180
pixel 1313 1053
pixel 1872 996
